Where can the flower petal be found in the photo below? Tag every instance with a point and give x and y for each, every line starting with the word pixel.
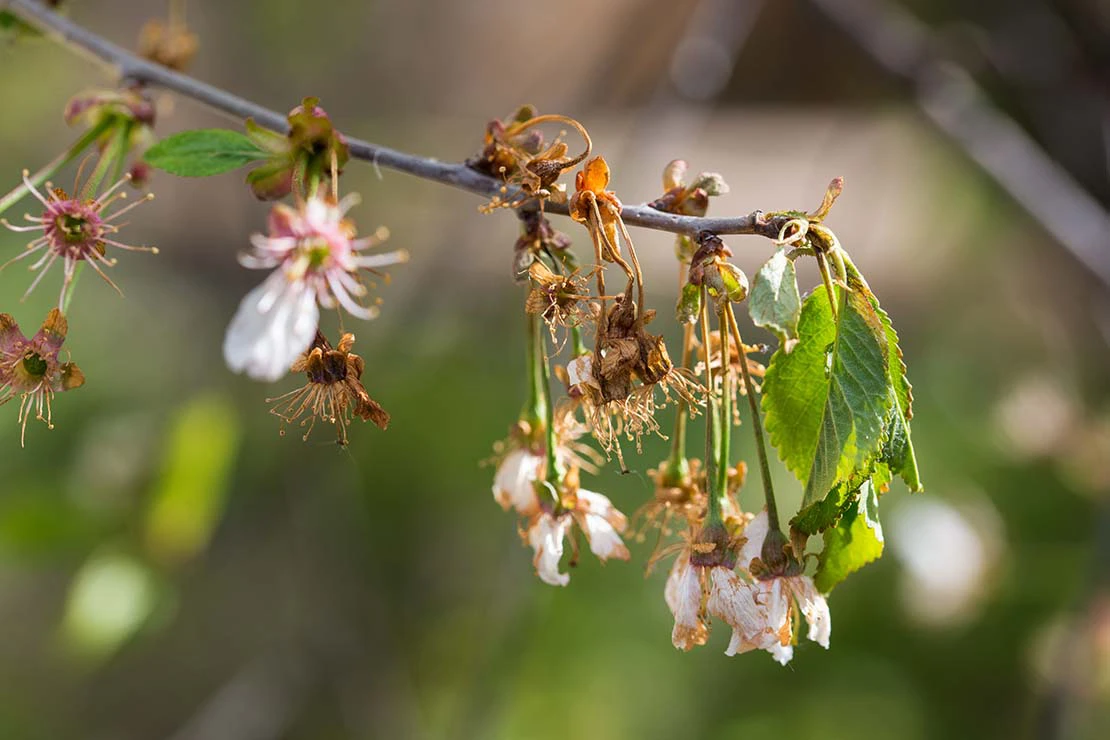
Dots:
pixel 814 608
pixel 512 483
pixel 755 532
pixel 603 538
pixel 546 538
pixel 683 596
pixel 275 323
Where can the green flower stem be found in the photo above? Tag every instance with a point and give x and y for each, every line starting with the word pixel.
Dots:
pixel 678 466
pixel 534 409
pixel 720 485
pixel 757 426
pixel 577 346
pixel 554 468
pixel 712 428
pixel 38 178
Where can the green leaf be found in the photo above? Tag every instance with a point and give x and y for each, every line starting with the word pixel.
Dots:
pixel 204 152
pixel 856 541
pixel 774 303
pixel 898 450
pixel 827 401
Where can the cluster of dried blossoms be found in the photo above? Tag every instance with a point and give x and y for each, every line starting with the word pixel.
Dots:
pixel 727 565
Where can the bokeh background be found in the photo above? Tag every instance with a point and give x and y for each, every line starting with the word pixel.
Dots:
pixel 171 567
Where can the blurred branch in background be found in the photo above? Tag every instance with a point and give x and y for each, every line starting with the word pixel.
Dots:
pixel 952 99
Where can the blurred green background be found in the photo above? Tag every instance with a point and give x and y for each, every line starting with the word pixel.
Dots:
pixel 171 567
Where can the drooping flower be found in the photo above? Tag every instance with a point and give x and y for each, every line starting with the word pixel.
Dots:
pixel 334 392
pixel 593 514
pixel 704 582
pixel 317 262
pixel 521 461
pixel 31 369
pixel 781 594
pixel 74 229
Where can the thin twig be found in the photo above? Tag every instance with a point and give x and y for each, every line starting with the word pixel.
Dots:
pixel 134 69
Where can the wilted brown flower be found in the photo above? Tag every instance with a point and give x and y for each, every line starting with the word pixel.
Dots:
pixel 334 391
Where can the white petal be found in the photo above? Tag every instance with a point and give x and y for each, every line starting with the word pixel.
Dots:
pixel 755 532
pixel 546 537
pixel 275 323
pixel 733 600
pixel 604 540
pixel 814 608
pixel 595 503
pixel 512 484
pixel 683 595
pixel 781 653
pixel 581 370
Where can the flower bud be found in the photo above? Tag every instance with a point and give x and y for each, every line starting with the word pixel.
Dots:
pixel 689 304
pixel 735 282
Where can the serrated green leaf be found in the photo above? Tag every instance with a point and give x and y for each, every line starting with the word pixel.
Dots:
pixel 898 450
pixel 827 401
pixel 204 152
pixel 775 303
pixel 856 541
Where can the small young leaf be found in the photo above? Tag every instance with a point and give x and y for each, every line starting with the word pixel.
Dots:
pixel 826 402
pixel 775 303
pixel 203 152
pixel 856 541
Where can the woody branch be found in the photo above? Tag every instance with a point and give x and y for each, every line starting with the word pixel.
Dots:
pixel 131 68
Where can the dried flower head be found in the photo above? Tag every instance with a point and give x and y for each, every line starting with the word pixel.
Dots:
pixel 75 229
pixel 563 301
pixel 514 154
pixel 617 383
pixel 316 261
pixel 170 44
pixel 334 392
pixel 538 238
pixel 507 142
pixel 31 369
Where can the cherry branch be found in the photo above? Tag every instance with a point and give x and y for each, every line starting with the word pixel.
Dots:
pixel 135 69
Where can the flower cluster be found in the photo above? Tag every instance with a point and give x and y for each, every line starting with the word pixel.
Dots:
pixel 719 574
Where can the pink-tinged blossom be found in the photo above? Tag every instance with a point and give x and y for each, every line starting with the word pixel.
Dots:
pixel 592 513
pixel 74 230
pixel 32 370
pixel 316 262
